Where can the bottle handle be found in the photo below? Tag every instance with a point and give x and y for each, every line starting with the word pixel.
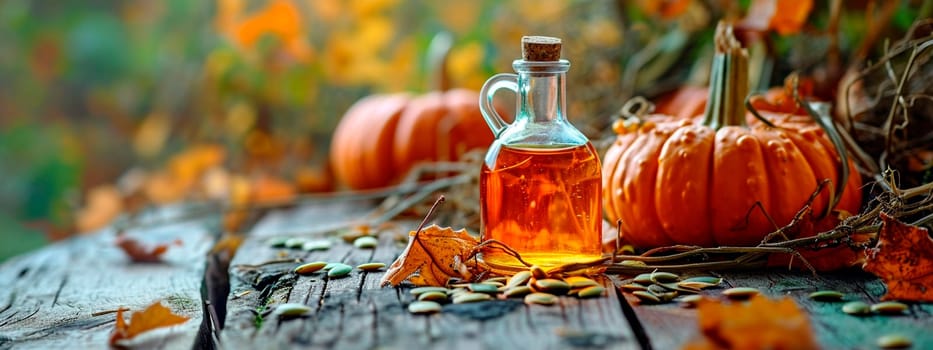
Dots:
pixel 486 94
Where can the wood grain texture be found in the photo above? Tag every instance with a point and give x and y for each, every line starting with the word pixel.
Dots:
pixel 49 296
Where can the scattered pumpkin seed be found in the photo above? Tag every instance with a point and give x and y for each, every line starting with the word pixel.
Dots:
pixel 663 277
pixel 541 299
pixel 552 286
pixel 469 297
pixel 646 297
pixel 278 242
pixel 366 242
pixel 518 279
pixel 421 290
pixel 705 279
pixel 856 308
pixel 580 282
pixel 537 272
pixel 294 243
pixel 311 267
pixel 291 310
pixel 644 278
pixel 482 288
pixel 826 295
pixel 894 341
pixel 424 307
pixel 339 270
pixel 631 287
pixel 657 289
pixel 627 249
pixel 329 266
pixel 315 245
pixel 696 285
pixel 689 301
pixel 433 296
pixel 517 291
pixel 889 307
pixel 740 293
pixel 679 288
pixel 633 263
pixel 372 266
pixel 591 291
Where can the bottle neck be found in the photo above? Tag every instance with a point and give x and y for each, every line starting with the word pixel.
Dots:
pixel 542 90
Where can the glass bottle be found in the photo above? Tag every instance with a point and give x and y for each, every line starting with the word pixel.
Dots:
pixel 540 184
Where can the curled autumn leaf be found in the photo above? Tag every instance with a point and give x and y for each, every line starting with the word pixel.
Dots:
pixel 433 255
pixel 153 317
pixel 139 252
pixel 903 258
pixel 760 323
pixel 783 16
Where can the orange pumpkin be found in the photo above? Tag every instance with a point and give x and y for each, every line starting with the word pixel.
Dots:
pixel 696 181
pixel 382 137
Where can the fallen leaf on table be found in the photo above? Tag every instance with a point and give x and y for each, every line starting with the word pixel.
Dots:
pixel 138 252
pixel 903 258
pixel 435 254
pixel 760 323
pixel 154 316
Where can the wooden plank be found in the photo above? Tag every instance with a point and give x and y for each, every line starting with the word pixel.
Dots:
pixel 355 313
pixel 49 296
pixel 670 326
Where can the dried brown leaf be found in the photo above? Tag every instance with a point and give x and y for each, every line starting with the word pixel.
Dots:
pixel 760 323
pixel 903 258
pixel 154 316
pixel 433 255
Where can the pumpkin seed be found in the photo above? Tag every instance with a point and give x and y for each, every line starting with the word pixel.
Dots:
pixel 889 307
pixel 373 266
pixel 291 310
pixel 330 266
pixel 311 267
pixel 591 291
pixel 740 293
pixel 689 301
pixel 421 290
pixel 580 282
pixel 541 299
pixel 433 296
pixel 631 287
pixel 894 341
pixel 705 279
pixel 663 277
pixel 278 242
pixel 469 297
pixel 482 288
pixel 646 297
pixel 695 285
pixel 826 295
pixel 499 279
pixel 517 291
pixel 553 286
pixel 677 287
pixel 315 245
pixel 339 270
pixel 294 243
pixel 644 278
pixel 366 242
pixel 537 272
pixel 424 307
pixel 633 263
pixel 856 308
pixel 657 289
pixel 518 279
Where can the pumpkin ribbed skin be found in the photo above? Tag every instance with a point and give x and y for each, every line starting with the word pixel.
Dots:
pixel 382 137
pixel 696 181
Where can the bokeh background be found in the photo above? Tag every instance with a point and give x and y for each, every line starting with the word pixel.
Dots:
pixel 96 94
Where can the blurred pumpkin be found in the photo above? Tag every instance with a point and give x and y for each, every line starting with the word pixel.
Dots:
pixel 383 137
pixel 696 181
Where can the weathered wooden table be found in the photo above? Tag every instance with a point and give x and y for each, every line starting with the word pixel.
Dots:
pixel 59 297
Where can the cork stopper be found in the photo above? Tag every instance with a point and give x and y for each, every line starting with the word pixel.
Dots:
pixel 540 48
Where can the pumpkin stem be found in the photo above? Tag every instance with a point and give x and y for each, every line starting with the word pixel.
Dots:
pixel 438 55
pixel 728 84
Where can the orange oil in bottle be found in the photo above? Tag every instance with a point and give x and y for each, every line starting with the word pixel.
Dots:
pixel 544 203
